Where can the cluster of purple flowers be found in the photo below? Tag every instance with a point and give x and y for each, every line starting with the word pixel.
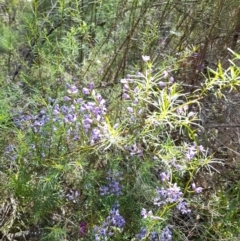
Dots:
pixel 111 223
pixel 72 196
pixel 193 150
pixel 75 114
pixel 172 194
pixel 36 122
pixel 93 117
pixel 113 186
pixel 10 152
pixel 164 235
pixel 132 97
pixel 168 195
pixel 88 115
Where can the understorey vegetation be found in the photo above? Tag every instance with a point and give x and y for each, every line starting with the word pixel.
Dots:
pixel 119 120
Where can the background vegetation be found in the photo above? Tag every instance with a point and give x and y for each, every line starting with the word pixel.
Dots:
pixel 119 120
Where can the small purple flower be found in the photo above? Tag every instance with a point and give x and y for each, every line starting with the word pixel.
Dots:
pixel 144 213
pixel 171 80
pixel 83 229
pixel 164 176
pixel 191 114
pixel 130 109
pixel 136 90
pixel 85 91
pixel 126 96
pixel 165 74
pixel 139 74
pixel 135 102
pixel 102 103
pixel 191 152
pixel 126 87
pixel 161 84
pixel 79 100
pixel 153 236
pixel 91 86
pixel 72 89
pixel 140 112
pixel 201 148
pixel 67 99
pixel 196 189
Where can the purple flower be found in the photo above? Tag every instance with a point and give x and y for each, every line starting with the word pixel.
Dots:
pixel 126 87
pixel 141 235
pixel 113 186
pixel 85 91
pixel 144 213
pixel 169 195
pixel 72 89
pixel 139 74
pixel 196 189
pixel 136 90
pixel 135 102
pixel 91 86
pixel 191 152
pixel 66 98
pixel 140 112
pixel 171 80
pixel 161 84
pixel 183 207
pixel 98 97
pixel 166 234
pixel 114 220
pixel 79 100
pixel 153 236
pixel 126 96
pixel 82 229
pixel 201 148
pixel 174 193
pixel 130 109
pixel 165 74
pixel 56 111
pixel 164 176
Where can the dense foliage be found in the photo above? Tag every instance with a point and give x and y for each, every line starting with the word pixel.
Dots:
pixel 119 120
